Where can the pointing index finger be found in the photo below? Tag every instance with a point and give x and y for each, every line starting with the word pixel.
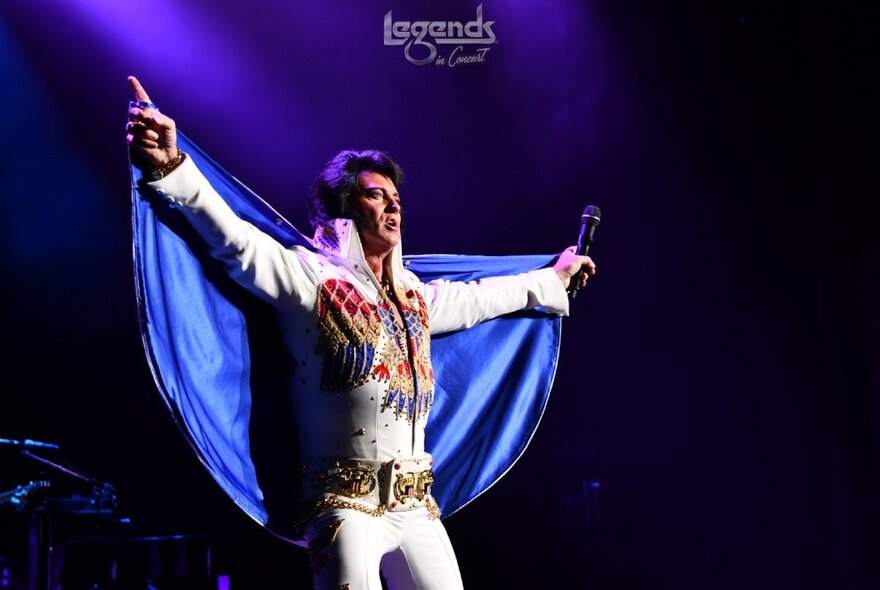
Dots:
pixel 139 92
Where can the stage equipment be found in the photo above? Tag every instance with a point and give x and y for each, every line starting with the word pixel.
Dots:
pixel 51 517
pixel 178 562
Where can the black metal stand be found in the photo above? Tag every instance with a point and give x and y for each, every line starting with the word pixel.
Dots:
pixel 39 544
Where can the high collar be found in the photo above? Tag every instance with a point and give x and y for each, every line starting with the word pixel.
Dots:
pixel 340 237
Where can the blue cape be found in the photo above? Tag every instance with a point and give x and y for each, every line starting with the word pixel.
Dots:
pixel 208 344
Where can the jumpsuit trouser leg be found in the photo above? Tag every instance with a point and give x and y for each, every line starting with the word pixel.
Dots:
pixel 346 548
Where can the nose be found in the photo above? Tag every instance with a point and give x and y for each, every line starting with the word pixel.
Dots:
pixel 393 206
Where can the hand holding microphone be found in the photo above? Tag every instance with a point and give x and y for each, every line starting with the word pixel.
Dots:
pixel 574 266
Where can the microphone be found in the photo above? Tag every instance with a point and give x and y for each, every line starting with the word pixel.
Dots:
pixel 589 222
pixel 28 443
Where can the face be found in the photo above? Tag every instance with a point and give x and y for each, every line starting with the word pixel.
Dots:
pixel 378 206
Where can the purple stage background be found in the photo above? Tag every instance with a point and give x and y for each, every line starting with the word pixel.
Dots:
pixel 715 419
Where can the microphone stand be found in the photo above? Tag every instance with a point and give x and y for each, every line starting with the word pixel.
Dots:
pixel 66 470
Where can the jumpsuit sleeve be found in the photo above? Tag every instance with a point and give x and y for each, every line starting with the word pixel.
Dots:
pixel 455 305
pixel 282 277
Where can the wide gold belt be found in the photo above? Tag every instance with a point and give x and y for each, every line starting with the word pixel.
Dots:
pixel 401 484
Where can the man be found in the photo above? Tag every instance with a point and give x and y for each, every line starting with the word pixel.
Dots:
pixel 356 327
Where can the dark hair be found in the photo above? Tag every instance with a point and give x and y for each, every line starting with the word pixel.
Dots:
pixel 332 192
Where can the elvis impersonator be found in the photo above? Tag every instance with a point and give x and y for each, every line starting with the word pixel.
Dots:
pixel 355 325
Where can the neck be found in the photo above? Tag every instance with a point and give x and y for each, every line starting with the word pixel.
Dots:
pixel 380 264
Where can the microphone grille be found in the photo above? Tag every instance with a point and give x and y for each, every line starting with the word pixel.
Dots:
pixel 593 211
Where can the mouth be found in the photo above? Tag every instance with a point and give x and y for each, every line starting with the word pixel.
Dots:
pixel 392 224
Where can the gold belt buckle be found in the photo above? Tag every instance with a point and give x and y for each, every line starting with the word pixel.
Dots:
pixel 413 485
pixel 354 481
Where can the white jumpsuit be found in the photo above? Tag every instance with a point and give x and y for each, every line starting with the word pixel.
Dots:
pixel 362 388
